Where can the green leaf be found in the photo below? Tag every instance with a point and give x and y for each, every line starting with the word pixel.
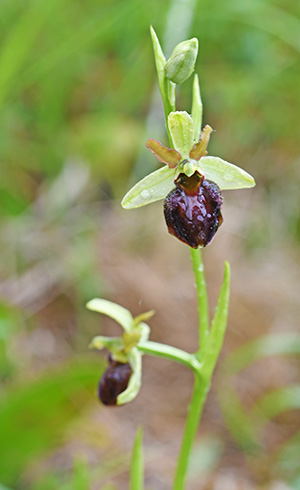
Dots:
pixel 197 109
pixel 165 155
pixel 218 325
pixel 153 187
pixel 225 174
pixel 181 128
pixel 160 62
pixel 137 463
pixel 114 311
pixel 135 381
pixel 181 63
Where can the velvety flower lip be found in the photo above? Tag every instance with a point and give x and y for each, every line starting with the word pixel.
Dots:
pixel 187 157
pixel 193 210
pixel 114 381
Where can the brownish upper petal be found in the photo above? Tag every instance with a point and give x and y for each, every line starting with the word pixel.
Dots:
pixel 199 149
pixel 165 155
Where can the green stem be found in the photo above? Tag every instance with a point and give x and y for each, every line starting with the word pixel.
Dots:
pixel 202 298
pixel 201 384
pixel 169 106
pixel 171 353
pixel 201 387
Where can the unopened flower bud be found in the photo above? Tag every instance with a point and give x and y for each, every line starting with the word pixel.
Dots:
pixel 193 210
pixel 113 382
pixel 181 63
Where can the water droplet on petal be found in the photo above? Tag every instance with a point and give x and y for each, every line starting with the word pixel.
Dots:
pixel 145 194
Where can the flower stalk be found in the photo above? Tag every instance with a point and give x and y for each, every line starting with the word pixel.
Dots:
pixel 190 184
pixel 202 299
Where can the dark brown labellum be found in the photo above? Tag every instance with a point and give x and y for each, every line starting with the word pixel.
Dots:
pixel 113 382
pixel 193 210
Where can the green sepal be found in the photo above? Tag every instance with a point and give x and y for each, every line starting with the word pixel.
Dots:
pixel 135 380
pixel 225 174
pixel 181 63
pixel 181 128
pixel 116 312
pixel 153 187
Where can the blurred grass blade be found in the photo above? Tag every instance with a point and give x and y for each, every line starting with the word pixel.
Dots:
pixel 270 18
pixel 288 456
pixel 96 26
pixel 238 422
pixel 18 45
pixel 81 479
pixel 274 403
pixel 137 463
pixel 33 416
pixel 277 344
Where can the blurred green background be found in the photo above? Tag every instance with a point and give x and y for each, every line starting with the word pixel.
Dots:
pixel 78 99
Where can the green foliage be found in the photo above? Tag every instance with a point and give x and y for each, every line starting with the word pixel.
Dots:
pixel 137 463
pixel 75 84
pixel 79 479
pixel 246 425
pixel 34 415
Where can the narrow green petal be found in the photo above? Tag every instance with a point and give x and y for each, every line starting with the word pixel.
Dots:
pixel 135 381
pixel 114 311
pixel 181 128
pixel 225 174
pixel 143 317
pixel 153 187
